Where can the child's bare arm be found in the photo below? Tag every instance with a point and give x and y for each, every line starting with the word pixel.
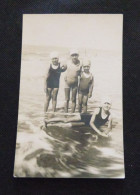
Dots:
pixel 91 88
pixel 109 125
pixel 45 80
pixel 79 76
pixel 63 67
pixel 93 125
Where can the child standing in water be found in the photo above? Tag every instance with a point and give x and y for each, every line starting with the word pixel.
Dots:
pixel 52 78
pixel 101 117
pixel 71 79
pixel 85 86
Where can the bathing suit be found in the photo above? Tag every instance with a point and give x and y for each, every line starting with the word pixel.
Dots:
pixel 99 121
pixel 72 73
pixel 85 84
pixel 53 77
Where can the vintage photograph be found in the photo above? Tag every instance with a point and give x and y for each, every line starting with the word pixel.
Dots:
pixel 70 117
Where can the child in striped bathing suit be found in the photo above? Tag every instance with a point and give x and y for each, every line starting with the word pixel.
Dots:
pixel 85 86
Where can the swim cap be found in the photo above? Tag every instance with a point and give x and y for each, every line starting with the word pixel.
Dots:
pixel 106 99
pixel 54 55
pixel 86 62
pixel 74 51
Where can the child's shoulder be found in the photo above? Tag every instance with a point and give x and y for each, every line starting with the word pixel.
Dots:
pixel 91 74
pixel 110 116
pixel 69 64
pixel 80 62
pixel 96 111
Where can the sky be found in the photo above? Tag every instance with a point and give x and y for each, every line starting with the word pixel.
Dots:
pixel 96 31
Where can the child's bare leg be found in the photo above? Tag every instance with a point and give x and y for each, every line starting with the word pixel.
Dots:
pixel 67 98
pixel 80 98
pixel 54 99
pixel 74 93
pixel 48 98
pixel 85 99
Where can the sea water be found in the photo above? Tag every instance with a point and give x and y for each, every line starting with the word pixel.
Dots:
pixel 68 152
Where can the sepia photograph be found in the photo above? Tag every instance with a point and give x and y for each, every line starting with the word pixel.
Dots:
pixel 70 113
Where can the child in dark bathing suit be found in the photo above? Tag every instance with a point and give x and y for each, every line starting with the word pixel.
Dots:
pixel 71 79
pixel 52 78
pixel 102 116
pixel 85 86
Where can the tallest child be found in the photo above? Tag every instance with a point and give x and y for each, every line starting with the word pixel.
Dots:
pixel 71 79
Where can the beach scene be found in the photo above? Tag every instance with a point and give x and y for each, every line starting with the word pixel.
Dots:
pixel 67 147
pixel 68 151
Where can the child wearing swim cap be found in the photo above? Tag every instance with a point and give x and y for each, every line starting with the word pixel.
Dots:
pixel 101 117
pixel 71 79
pixel 51 82
pixel 85 86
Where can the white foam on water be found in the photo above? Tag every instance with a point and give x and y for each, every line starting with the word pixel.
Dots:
pixel 93 170
pixel 63 174
pixel 108 152
pixel 115 167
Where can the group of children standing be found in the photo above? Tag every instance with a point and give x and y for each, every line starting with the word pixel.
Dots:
pixel 77 79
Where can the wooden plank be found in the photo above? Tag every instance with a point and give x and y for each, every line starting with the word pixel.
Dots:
pixel 70 124
pixel 70 119
pixel 62 117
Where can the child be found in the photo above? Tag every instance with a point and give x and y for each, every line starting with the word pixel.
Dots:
pixel 71 79
pixel 85 86
pixel 100 117
pixel 52 78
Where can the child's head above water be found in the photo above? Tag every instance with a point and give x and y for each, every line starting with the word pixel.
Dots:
pixel 54 57
pixel 86 65
pixel 106 103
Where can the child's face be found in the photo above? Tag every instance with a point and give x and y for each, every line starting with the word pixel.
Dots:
pixel 106 106
pixel 54 61
pixel 74 57
pixel 86 68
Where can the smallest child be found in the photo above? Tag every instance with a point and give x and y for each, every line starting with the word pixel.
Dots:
pixel 85 88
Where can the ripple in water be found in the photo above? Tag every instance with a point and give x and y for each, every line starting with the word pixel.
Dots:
pixel 66 152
